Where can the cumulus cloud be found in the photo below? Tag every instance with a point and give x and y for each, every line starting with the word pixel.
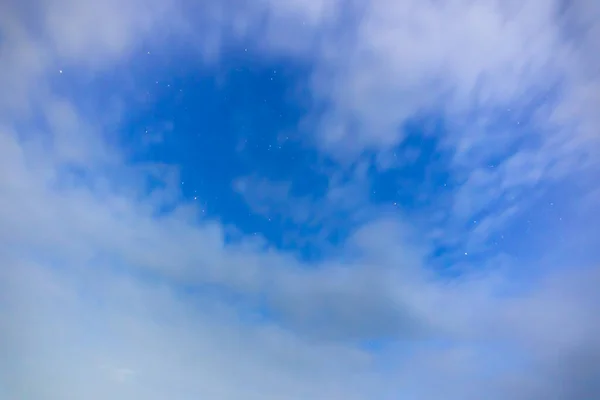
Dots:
pixel 112 287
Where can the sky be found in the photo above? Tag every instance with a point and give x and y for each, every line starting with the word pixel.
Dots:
pixel 299 199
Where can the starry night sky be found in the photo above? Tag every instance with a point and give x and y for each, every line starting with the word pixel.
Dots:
pixel 306 199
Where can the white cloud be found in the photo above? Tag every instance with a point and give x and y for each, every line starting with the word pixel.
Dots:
pixel 81 310
pixel 343 195
pixel 98 335
pixel 499 74
pixel 454 55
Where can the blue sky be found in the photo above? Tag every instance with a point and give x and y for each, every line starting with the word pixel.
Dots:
pixel 299 199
